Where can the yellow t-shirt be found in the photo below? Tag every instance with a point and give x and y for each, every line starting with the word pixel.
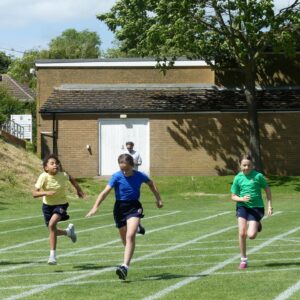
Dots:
pixel 58 183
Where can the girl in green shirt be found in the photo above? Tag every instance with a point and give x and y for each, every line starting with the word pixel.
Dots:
pixel 246 191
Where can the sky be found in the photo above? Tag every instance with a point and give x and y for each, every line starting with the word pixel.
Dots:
pixel 32 24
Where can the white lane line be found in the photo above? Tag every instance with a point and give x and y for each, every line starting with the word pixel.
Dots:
pixel 44 226
pixel 163 258
pixel 85 282
pixel 97 272
pixel 2 270
pixel 244 272
pixel 24 287
pixel 78 231
pixel 151 267
pixel 218 266
pixel 289 292
pixel 35 216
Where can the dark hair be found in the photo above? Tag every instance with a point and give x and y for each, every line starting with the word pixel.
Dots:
pixel 47 158
pixel 245 156
pixel 126 158
pixel 130 143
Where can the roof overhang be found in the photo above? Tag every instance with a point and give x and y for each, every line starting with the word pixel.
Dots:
pixel 114 63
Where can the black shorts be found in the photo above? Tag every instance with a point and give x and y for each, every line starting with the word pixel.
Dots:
pixel 250 214
pixel 124 210
pixel 50 210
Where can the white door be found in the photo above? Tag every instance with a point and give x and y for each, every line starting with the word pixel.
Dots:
pixel 114 133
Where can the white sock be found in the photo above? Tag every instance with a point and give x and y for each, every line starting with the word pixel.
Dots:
pixel 244 259
pixel 125 266
pixel 53 253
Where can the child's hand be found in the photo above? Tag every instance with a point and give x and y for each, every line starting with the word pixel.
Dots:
pixel 270 211
pixel 91 212
pixel 159 204
pixel 245 198
pixel 50 193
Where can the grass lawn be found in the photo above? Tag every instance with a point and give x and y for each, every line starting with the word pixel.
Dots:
pixel 190 250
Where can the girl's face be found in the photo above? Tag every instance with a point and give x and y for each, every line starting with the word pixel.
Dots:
pixel 246 166
pixel 124 166
pixel 52 166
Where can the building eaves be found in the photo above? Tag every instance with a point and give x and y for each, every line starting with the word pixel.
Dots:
pixel 165 100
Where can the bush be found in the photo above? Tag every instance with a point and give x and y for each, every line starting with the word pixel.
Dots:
pixel 9 105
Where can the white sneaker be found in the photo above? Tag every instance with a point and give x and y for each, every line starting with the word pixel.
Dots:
pixel 71 233
pixel 52 261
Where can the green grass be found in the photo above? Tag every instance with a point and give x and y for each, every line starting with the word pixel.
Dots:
pixel 85 270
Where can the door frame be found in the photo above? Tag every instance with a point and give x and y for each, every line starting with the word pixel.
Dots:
pixel 119 119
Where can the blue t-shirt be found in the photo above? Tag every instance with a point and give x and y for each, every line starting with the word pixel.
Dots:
pixel 127 187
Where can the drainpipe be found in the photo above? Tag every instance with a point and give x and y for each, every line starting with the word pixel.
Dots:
pixel 55 134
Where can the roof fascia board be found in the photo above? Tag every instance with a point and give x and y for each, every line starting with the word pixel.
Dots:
pixel 124 64
pixel 168 112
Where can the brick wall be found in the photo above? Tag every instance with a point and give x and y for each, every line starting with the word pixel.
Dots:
pixel 205 144
pixel 48 78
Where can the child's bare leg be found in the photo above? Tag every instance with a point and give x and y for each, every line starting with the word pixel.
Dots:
pixel 122 232
pixel 53 231
pixel 132 225
pixel 242 235
pixel 252 229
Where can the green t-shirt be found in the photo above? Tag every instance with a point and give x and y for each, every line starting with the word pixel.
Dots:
pixel 251 185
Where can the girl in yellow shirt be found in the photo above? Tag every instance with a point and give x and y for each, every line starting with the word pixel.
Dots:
pixel 51 185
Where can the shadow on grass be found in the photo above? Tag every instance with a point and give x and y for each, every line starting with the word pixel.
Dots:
pixel 285 181
pixel 7 263
pixel 91 267
pixel 169 276
pixel 4 203
pixel 283 264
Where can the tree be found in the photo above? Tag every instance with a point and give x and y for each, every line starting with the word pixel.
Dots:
pixel 9 105
pixel 4 62
pixel 117 52
pixel 226 32
pixel 20 68
pixel 72 44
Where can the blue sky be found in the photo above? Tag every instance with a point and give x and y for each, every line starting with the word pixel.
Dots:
pixel 31 24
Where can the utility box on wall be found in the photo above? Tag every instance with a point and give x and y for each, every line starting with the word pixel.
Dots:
pixel 26 122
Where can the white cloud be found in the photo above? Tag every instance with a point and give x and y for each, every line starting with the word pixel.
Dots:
pixel 18 13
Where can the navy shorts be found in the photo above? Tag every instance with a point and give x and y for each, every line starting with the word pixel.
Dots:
pixel 50 210
pixel 250 214
pixel 125 210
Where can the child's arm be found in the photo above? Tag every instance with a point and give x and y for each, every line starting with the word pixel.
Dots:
pixel 38 193
pixel 237 198
pixel 99 200
pixel 79 191
pixel 269 199
pixel 156 194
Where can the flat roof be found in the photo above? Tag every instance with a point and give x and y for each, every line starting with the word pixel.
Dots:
pixel 108 63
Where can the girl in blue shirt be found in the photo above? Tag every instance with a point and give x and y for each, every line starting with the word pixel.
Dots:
pixel 128 209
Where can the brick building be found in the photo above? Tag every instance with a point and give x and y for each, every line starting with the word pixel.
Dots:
pixel 184 123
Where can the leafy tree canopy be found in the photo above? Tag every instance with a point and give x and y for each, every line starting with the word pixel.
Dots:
pixel 219 30
pixel 9 105
pixel 19 69
pixel 72 44
pixel 4 62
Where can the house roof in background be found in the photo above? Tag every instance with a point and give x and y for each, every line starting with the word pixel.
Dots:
pixel 16 89
pixel 164 99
